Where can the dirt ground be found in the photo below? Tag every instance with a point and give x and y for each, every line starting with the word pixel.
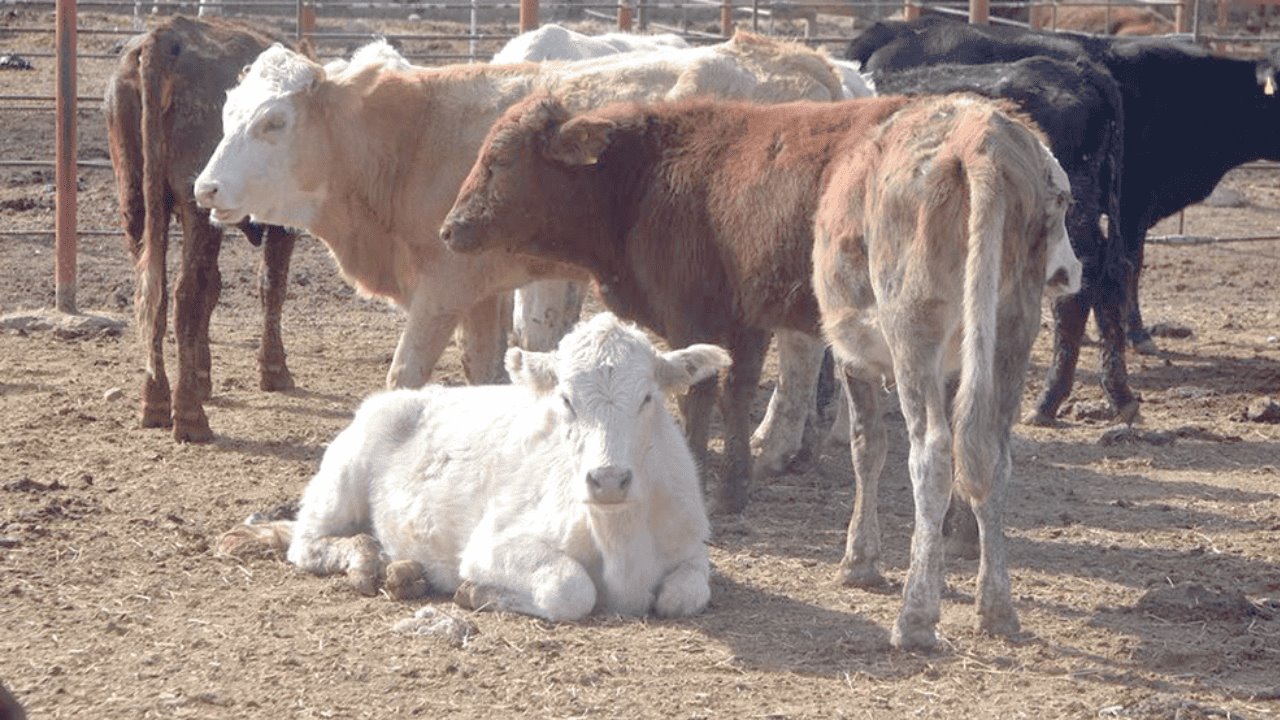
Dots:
pixel 1146 570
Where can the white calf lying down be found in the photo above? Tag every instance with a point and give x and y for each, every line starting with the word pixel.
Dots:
pixel 569 491
pixel 555 42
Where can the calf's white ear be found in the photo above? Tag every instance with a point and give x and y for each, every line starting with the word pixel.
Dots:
pixel 580 141
pixel 536 370
pixel 679 369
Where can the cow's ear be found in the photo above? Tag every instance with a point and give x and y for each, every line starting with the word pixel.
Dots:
pixel 307 48
pixel 679 369
pixel 536 370
pixel 580 141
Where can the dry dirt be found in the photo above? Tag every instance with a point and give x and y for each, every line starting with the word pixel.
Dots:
pixel 1146 571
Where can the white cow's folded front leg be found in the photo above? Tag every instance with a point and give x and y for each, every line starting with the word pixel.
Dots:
pixel 526 575
pixel 685 590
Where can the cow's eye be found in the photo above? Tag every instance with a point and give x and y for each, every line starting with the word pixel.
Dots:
pixel 648 398
pixel 274 123
pixel 568 406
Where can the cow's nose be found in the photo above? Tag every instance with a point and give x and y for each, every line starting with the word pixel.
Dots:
pixel 608 485
pixel 206 193
pixel 458 234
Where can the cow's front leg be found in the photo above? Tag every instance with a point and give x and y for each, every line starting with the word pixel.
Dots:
pixel 748 349
pixel 425 336
pixel 527 576
pixel 780 436
pixel 685 590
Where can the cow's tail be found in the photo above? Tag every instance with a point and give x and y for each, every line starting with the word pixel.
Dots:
pixel 974 416
pixel 153 75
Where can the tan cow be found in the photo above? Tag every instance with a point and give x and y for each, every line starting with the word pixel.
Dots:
pixel 697 219
pixel 370 162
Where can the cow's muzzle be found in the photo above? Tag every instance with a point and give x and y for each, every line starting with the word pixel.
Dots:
pixel 608 485
pixel 459 234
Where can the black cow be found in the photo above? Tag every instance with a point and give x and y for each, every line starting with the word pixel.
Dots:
pixel 1078 106
pixel 1188 118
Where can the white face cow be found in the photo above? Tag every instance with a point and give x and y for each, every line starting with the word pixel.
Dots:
pixel 257 168
pixel 1062 268
pixel 604 388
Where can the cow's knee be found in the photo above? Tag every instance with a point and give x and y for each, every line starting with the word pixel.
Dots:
pixel 684 592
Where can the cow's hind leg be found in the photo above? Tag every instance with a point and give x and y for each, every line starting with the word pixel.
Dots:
pixel 1115 375
pixel 195 294
pixel 151 304
pixel 1139 336
pixel 273 281
pixel 1017 327
pixel 868 446
pixel 923 399
pixel 484 339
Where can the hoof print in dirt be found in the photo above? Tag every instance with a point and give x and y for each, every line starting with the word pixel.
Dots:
pixel 1193 602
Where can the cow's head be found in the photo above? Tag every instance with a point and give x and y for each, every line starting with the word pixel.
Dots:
pixel 604 391
pixel 259 169
pixel 1062 272
pixel 527 174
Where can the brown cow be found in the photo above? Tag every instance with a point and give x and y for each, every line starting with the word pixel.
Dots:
pixel 1101 20
pixel 696 219
pixel 163 108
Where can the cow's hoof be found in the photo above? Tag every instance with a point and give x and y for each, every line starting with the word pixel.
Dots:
pixel 365 582
pixel 1146 346
pixel 406 580
pixel 863 575
pixel 1128 414
pixel 1001 622
pixel 193 430
pixel 729 503
pixel 468 596
pixel 156 416
pixel 919 638
pixel 275 380
pixel 1039 418
pixel 268 540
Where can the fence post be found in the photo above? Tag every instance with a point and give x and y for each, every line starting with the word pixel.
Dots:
pixel 64 230
pixel 726 18
pixel 306 21
pixel 624 15
pixel 979 12
pixel 1182 16
pixel 910 11
pixel 528 15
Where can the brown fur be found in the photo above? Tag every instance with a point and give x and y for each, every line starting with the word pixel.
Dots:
pixel 163 109
pixel 697 219
pixel 1097 20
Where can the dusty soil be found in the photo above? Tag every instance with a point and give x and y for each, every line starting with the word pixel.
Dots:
pixel 1146 570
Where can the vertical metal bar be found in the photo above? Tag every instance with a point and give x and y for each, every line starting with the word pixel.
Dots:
pixel 979 12
pixel 474 28
pixel 1182 16
pixel 624 15
pixel 726 18
pixel 306 21
pixel 911 11
pixel 755 16
pixel 64 267
pixel 642 15
pixel 528 15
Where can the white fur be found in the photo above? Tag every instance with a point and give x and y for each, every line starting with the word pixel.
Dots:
pixel 488 485
pixel 555 42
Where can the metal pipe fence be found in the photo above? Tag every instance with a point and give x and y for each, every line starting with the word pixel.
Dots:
pixel 321 24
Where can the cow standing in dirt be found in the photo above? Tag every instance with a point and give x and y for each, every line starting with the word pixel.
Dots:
pixel 163 108
pixel 370 162
pixel 697 219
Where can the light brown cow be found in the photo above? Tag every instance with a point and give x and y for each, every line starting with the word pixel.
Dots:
pixel 162 108
pixel 1101 20
pixel 697 219
pixel 370 162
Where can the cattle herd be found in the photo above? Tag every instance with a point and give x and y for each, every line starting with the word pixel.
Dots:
pixel 907 206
